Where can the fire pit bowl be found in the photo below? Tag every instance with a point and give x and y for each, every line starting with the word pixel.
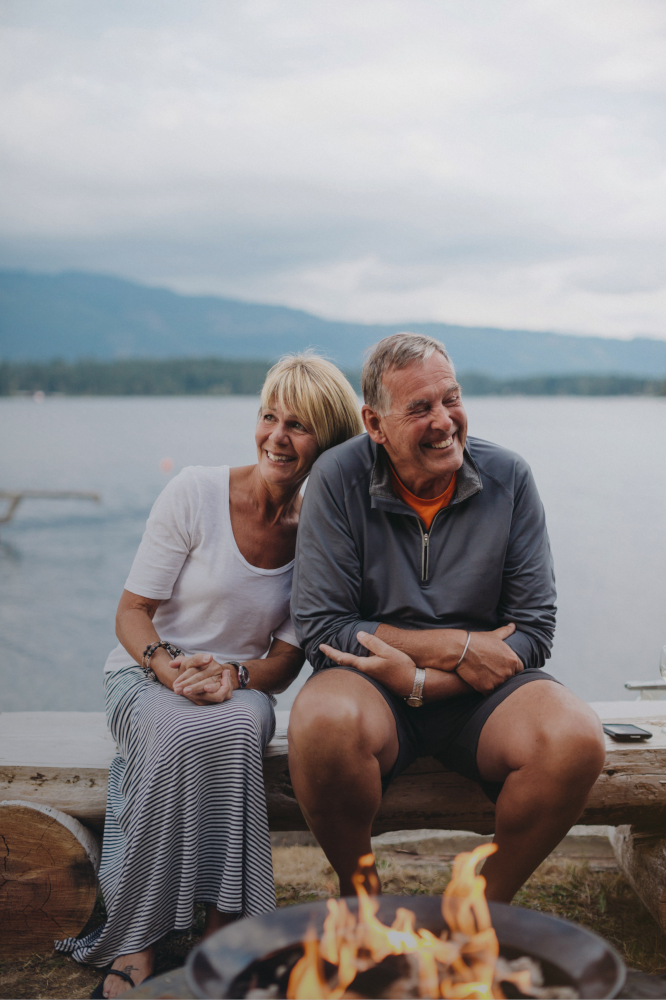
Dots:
pixel 258 950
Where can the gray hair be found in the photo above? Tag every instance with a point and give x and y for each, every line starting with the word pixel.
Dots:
pixel 394 353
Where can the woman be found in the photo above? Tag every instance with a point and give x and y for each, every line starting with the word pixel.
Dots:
pixel 205 639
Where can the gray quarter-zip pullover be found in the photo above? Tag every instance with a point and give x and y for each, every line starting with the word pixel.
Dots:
pixel 363 556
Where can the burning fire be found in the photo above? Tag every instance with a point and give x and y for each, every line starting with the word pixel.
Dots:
pixel 460 964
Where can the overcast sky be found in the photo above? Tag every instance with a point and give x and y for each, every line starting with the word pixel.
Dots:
pixel 490 162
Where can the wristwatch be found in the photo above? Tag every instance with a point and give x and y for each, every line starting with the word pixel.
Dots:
pixel 243 675
pixel 415 699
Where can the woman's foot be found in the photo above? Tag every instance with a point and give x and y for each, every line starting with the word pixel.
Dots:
pixel 138 966
pixel 216 920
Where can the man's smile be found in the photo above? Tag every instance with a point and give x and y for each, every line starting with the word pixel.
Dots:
pixel 440 445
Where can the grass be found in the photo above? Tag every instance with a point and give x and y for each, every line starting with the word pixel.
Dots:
pixel 605 903
pixel 600 900
pixel 56 976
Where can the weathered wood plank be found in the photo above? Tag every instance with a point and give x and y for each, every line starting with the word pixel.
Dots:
pixel 631 788
pixel 62 758
pixel 79 792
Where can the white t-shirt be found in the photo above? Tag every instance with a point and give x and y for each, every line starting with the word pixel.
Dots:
pixel 213 599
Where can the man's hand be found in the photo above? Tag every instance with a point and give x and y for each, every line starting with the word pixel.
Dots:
pixel 202 679
pixel 489 661
pixel 390 666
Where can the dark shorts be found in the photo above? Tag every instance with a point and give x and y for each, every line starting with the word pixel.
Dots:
pixel 448 730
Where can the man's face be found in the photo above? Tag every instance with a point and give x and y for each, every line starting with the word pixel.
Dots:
pixel 425 431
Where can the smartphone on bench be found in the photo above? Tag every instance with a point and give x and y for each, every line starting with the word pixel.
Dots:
pixel 624 732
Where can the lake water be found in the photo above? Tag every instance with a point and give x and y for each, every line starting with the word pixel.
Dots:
pixel 600 465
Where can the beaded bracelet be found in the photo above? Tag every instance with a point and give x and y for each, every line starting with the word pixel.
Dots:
pixel 148 651
pixel 172 650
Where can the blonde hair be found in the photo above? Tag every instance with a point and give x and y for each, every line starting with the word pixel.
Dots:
pixel 313 389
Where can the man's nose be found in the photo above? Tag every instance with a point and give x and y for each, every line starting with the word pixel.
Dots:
pixel 441 418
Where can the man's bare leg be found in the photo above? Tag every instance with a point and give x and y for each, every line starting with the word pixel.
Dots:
pixel 548 748
pixel 342 738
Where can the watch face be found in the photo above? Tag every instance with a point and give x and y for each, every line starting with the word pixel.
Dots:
pixel 414 702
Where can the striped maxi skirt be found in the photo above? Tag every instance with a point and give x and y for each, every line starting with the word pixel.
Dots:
pixel 186 814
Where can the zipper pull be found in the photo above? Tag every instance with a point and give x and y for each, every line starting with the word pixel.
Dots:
pixel 424 556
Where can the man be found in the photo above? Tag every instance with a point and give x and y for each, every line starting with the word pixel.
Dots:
pixel 424 597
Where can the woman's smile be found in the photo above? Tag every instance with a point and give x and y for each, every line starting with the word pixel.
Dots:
pixel 278 458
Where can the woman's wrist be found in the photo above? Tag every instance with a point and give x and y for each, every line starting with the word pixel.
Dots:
pixel 160 664
pixel 240 674
pixel 233 675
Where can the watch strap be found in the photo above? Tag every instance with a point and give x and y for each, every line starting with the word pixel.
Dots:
pixel 415 699
pixel 242 671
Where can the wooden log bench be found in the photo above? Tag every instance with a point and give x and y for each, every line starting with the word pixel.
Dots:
pixel 60 760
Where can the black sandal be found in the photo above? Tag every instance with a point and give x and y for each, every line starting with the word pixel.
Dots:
pixel 98 992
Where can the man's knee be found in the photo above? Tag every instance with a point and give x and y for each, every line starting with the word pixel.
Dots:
pixel 570 739
pixel 339 716
pixel 543 726
pixel 324 716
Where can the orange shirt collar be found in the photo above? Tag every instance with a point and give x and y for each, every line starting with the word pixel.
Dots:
pixel 426 509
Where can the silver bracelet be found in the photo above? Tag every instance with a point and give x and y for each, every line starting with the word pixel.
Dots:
pixel 469 636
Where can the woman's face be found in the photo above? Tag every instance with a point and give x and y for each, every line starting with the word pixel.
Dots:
pixel 286 447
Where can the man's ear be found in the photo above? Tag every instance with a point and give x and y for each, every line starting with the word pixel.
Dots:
pixel 373 424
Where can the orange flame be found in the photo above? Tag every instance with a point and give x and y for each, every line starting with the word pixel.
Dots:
pixel 307 976
pixel 459 964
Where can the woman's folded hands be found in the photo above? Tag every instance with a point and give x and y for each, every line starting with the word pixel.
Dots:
pixel 202 679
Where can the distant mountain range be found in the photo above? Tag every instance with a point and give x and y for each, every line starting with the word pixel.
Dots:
pixel 76 315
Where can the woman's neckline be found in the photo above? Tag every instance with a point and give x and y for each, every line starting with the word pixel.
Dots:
pixel 255 569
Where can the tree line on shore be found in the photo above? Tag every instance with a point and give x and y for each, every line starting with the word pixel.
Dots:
pixel 227 377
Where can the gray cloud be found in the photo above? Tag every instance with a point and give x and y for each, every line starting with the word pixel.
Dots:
pixel 374 159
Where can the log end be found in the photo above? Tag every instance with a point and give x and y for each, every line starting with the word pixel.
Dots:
pixel 48 881
pixel 641 857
